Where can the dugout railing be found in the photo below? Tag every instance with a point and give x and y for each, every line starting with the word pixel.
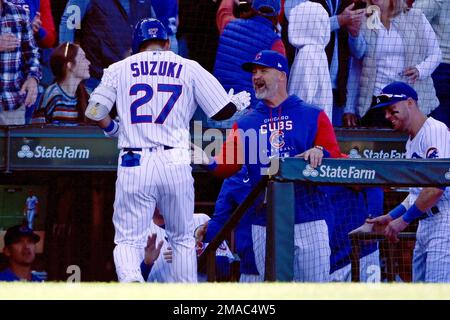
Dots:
pixel 280 203
pixel 357 238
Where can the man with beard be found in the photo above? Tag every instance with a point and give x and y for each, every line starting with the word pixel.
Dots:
pixel 20 249
pixel 284 126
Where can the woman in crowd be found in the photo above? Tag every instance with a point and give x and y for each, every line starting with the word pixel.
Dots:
pixel 399 46
pixel 65 101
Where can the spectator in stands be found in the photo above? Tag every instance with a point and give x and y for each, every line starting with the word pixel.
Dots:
pixel 105 31
pixel 344 19
pixel 309 32
pixel 19 59
pixel 351 114
pixel 241 39
pixel 428 139
pixel 20 249
pixel 233 192
pixel 65 101
pixel 166 11
pixel 403 47
pixel 41 19
pixel 438 14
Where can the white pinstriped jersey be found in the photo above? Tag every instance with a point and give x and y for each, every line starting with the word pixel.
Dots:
pixel 431 142
pixel 157 93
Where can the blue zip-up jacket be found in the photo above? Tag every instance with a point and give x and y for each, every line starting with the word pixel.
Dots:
pixel 233 192
pixel 289 129
pixel 240 41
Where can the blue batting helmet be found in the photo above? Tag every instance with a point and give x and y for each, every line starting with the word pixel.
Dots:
pixel 148 29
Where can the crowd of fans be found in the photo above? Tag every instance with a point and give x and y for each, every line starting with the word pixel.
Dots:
pixel 342 52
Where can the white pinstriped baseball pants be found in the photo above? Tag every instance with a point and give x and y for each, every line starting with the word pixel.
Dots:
pixel 311 251
pixel 431 257
pixel 163 179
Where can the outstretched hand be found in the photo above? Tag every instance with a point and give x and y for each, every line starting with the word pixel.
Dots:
pixel 390 227
pixel 241 100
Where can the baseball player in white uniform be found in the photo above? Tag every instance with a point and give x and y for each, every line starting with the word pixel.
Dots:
pixel 428 139
pixel 31 208
pixel 156 93
pixel 160 268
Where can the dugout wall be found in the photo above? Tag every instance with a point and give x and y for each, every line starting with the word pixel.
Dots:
pixel 76 166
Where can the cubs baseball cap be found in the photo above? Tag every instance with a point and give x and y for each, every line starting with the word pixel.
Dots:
pixel 14 233
pixel 393 93
pixel 268 58
pixel 269 8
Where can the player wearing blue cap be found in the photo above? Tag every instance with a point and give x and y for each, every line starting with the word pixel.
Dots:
pixel 20 250
pixel 156 92
pixel 428 139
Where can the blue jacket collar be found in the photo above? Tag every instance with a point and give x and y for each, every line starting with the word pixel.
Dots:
pixel 263 20
pixel 290 102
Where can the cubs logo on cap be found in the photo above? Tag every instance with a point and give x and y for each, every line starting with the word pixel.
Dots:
pixel 270 59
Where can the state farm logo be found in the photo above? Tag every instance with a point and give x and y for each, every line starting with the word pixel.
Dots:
pixel 310 171
pixel 447 175
pixel 381 154
pixel 25 152
pixel 354 154
pixel 43 152
pixel 351 172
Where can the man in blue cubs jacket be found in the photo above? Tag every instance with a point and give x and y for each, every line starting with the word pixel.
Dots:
pixel 283 126
pixel 234 191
